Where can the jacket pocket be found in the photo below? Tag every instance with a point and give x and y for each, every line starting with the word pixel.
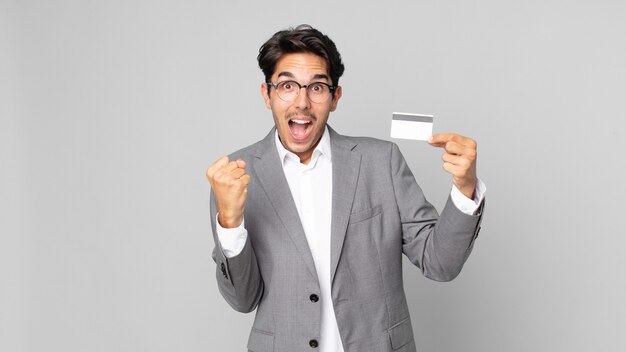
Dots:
pixel 401 334
pixel 260 341
pixel 363 215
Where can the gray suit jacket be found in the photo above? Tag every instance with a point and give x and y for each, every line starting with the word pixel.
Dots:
pixel 378 213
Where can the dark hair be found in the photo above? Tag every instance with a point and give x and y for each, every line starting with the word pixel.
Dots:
pixel 302 39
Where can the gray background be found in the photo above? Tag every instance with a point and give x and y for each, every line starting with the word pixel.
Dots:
pixel 111 112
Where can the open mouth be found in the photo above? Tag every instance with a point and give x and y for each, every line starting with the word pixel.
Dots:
pixel 300 128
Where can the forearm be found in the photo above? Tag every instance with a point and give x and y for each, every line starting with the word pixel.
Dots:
pixel 439 246
pixel 450 243
pixel 238 276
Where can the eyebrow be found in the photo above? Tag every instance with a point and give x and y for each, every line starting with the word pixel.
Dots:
pixel 315 77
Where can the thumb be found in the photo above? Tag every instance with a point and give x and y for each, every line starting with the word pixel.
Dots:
pixel 241 164
pixel 439 139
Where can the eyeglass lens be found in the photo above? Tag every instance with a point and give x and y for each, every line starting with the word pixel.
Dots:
pixel 316 91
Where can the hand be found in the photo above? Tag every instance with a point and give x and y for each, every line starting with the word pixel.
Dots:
pixel 229 182
pixel 459 160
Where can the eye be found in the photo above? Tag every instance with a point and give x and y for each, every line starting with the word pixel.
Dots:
pixel 287 85
pixel 317 88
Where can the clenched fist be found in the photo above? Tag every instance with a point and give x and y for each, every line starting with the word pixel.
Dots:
pixel 229 182
pixel 459 160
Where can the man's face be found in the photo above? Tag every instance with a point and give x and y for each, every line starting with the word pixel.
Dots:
pixel 300 122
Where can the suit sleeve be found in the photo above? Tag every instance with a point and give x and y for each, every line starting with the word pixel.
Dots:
pixel 439 246
pixel 238 278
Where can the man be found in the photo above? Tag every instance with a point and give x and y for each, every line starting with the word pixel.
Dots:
pixel 310 225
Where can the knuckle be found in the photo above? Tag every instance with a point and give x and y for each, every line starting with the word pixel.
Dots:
pixel 471 154
pixel 223 159
pixel 231 181
pixel 219 162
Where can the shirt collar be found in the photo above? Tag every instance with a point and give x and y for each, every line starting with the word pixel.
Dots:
pixel 322 149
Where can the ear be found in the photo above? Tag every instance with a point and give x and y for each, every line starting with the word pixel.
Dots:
pixel 265 95
pixel 336 98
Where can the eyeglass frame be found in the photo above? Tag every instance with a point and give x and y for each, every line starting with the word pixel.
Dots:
pixel 331 88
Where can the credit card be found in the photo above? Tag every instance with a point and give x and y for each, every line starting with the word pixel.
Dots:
pixel 411 126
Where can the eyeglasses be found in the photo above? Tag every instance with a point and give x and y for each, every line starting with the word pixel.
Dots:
pixel 318 92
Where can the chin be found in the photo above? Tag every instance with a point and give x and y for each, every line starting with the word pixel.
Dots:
pixel 299 148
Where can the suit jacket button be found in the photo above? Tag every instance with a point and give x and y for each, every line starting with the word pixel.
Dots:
pixel 313 343
pixel 223 267
pixel 314 298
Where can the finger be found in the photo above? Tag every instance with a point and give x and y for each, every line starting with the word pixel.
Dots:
pixel 223 173
pixel 459 149
pixel 450 146
pixel 228 168
pixel 233 165
pixel 237 173
pixel 245 179
pixel 456 160
pixel 453 159
pixel 221 162
pixel 468 142
pixel 218 164
pixel 454 148
pixel 440 139
pixel 455 170
pixel 462 140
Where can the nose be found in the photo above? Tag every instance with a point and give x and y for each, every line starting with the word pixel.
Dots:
pixel 302 99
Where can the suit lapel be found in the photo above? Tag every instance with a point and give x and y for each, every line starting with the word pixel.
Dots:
pixel 346 167
pixel 269 170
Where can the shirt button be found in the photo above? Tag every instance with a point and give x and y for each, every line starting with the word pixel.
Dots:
pixel 314 298
pixel 313 343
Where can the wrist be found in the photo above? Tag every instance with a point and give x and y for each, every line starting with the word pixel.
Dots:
pixel 468 192
pixel 229 221
pixel 468 188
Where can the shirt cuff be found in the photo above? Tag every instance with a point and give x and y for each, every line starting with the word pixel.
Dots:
pixel 466 205
pixel 231 240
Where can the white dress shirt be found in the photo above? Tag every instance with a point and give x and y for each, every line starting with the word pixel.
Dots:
pixel 311 188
